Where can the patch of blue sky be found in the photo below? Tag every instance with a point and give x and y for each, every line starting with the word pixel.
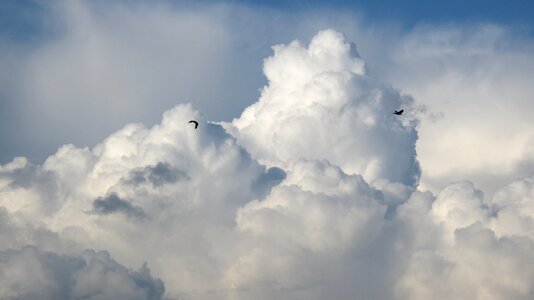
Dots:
pixel 26 20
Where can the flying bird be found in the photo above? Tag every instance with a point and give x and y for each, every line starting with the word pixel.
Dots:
pixel 194 122
pixel 398 113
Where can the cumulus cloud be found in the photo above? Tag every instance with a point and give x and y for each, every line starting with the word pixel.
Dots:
pixel 157 175
pixel 113 204
pixel 129 61
pixel 310 194
pixel 118 196
pixel 467 251
pixel 303 233
pixel 476 78
pixel 30 273
pixel 319 104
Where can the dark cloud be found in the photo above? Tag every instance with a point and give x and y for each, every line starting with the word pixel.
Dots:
pixel 163 173
pixel 216 133
pixel 25 175
pixel 158 175
pixel 114 204
pixel 21 174
pixel 268 180
pixel 30 273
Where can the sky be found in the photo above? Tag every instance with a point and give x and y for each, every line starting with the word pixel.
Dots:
pixel 409 13
pixel 299 183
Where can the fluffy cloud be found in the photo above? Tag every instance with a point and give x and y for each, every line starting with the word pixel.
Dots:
pixel 30 273
pixel 304 235
pixel 319 104
pixel 468 249
pixel 475 77
pixel 310 194
pixel 129 61
pixel 160 195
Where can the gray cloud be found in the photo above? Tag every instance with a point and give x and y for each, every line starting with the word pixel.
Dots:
pixel 30 273
pixel 21 174
pixel 268 180
pixel 114 204
pixel 121 63
pixel 158 175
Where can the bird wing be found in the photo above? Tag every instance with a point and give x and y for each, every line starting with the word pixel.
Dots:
pixel 194 122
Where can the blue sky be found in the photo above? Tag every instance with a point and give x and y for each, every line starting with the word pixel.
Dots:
pixel 22 19
pixel 410 12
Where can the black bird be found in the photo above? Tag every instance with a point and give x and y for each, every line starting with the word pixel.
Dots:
pixel 398 113
pixel 194 122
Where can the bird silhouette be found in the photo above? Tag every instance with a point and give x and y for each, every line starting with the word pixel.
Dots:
pixel 194 122
pixel 398 113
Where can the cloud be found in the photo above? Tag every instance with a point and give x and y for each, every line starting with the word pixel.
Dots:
pixel 475 76
pixel 158 175
pixel 145 58
pixel 113 204
pixel 310 194
pixel 319 104
pixel 119 63
pixel 183 216
pixel 469 250
pixel 30 273
pixel 303 233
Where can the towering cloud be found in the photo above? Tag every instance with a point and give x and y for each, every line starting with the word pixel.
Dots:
pixel 310 194
pixel 320 104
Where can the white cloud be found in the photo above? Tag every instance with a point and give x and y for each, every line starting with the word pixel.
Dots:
pixel 302 234
pixel 104 65
pixel 171 221
pixel 477 78
pixel 337 216
pixel 319 104
pixel 468 249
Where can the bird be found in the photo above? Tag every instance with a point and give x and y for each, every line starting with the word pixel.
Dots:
pixel 194 122
pixel 398 113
